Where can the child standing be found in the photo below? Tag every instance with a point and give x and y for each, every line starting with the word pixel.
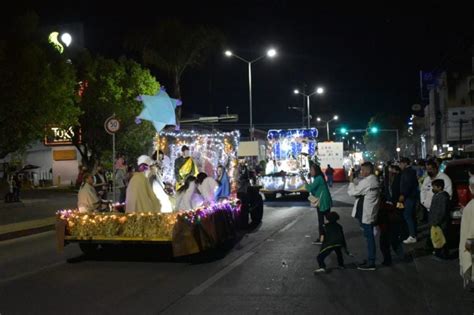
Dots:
pixel 334 240
pixel 439 215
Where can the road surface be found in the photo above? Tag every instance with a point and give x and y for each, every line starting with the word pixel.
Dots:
pixel 270 270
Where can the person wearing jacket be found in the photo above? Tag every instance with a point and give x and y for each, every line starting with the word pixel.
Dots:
pixel 439 212
pixel 408 196
pixel 366 190
pixel 319 189
pixel 426 193
pixel 389 219
pixel 334 240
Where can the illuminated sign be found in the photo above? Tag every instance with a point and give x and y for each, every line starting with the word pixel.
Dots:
pixel 54 40
pixel 61 136
pixel 64 155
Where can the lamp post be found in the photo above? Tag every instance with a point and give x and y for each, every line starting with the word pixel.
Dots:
pixel 319 90
pixel 336 117
pixel 270 53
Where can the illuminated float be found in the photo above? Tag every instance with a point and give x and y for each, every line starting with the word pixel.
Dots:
pixel 189 231
pixel 288 156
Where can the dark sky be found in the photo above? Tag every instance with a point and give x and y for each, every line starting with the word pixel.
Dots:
pixel 367 58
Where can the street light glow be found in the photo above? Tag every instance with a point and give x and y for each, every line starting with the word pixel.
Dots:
pixel 318 119
pixel 296 91
pixel 353 138
pixel 66 39
pixel 271 53
pixel 336 117
pixel 228 53
pixel 398 149
pixel 320 90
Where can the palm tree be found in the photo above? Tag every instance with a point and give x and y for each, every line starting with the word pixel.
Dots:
pixel 173 47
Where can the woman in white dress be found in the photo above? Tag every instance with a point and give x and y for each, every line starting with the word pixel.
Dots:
pixel 207 187
pixel 156 178
pixel 187 197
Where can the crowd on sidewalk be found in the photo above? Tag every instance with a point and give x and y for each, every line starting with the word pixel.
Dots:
pixel 389 205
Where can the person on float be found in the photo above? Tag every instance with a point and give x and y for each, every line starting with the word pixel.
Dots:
pixel 140 195
pixel 187 196
pixel 207 187
pixel 184 166
pixel 223 191
pixel 156 180
pixel 87 198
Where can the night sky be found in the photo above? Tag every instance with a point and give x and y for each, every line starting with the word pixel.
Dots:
pixel 367 58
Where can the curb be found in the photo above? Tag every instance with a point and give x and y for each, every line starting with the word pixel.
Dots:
pixel 15 230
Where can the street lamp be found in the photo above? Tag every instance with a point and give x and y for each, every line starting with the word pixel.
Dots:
pixel 66 38
pixel 318 119
pixel 319 90
pixel 271 53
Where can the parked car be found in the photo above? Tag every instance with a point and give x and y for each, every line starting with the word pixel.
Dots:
pixel 457 170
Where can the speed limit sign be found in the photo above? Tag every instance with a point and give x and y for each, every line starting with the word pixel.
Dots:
pixel 112 125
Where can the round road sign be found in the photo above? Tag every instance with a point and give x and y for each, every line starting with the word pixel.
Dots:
pixel 112 125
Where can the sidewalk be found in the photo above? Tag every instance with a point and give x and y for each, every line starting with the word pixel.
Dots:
pixel 35 212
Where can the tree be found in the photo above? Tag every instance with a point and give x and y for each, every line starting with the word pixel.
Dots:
pixel 37 86
pixel 383 144
pixel 112 87
pixel 173 47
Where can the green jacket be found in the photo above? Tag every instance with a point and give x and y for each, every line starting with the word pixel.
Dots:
pixel 319 188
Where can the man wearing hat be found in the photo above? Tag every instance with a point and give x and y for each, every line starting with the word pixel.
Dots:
pixel 183 167
pixel 140 195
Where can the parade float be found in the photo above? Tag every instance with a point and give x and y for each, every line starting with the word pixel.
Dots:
pixel 288 156
pixel 189 231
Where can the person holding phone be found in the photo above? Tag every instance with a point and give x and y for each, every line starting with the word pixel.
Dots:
pixel 319 189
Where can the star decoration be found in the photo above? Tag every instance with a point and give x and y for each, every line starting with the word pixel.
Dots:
pixel 159 109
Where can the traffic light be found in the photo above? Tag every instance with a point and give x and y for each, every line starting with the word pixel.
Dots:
pixel 374 129
pixel 343 130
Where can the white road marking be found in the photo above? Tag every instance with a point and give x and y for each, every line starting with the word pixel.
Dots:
pixel 31 273
pixel 337 191
pixel 289 225
pixel 206 284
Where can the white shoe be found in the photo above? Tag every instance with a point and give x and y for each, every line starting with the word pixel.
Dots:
pixel 410 240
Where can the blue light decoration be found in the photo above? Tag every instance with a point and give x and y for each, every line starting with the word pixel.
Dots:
pixel 290 142
pixel 159 109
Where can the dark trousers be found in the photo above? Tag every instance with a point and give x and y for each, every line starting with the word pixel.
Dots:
pixel 122 195
pixel 330 180
pixel 390 238
pixel 409 215
pixel 325 253
pixel 321 216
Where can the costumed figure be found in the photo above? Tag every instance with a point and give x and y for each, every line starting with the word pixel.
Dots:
pixel 207 187
pixel 184 166
pixel 187 196
pixel 87 199
pixel 158 185
pixel 223 191
pixel 140 195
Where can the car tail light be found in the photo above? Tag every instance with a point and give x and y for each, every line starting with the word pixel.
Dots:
pixel 464 195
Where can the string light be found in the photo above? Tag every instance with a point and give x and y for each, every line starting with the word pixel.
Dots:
pixel 145 225
pixel 207 149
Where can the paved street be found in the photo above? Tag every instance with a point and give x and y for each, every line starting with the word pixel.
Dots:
pixel 269 271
